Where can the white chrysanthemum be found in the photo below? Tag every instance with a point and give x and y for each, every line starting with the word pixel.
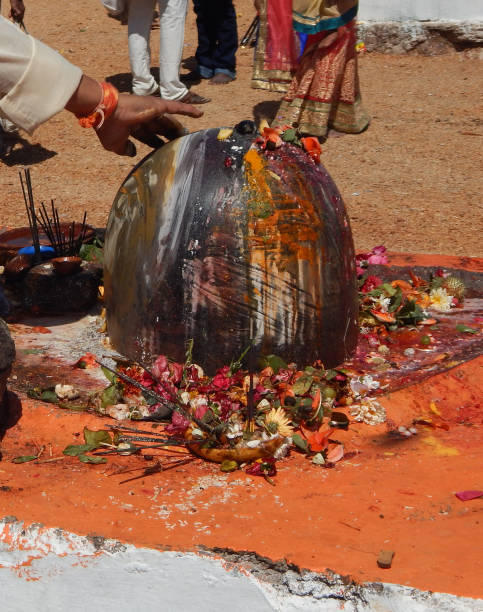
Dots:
pixel 440 300
pixel 361 385
pixel 368 411
pixel 235 430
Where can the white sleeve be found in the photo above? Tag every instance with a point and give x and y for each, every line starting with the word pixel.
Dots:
pixel 36 82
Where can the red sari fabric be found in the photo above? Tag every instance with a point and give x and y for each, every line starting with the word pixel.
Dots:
pixel 281 51
pixel 324 93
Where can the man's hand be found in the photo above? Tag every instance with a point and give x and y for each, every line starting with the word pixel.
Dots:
pixel 17 10
pixel 144 118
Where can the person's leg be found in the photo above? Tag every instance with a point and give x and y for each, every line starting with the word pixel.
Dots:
pixel 140 16
pixel 224 57
pixel 206 25
pixel 172 16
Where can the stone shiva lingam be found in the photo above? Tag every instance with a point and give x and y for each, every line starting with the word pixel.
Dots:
pixel 230 239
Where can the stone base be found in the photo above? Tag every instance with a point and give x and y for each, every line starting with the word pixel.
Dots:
pixel 422 37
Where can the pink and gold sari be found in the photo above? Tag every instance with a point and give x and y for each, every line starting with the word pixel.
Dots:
pixel 324 89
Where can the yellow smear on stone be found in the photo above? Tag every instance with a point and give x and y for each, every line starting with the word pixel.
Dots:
pixel 224 133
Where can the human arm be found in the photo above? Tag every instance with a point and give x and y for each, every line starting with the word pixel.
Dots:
pixel 142 117
pixel 36 83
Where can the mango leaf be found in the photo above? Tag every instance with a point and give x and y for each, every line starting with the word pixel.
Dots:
pixel 302 385
pixel 300 443
pixel 396 301
pixel 111 377
pixel 389 289
pixel 49 396
pixel 74 450
pixel 96 438
pixel 90 459
pixel 275 362
pixel 110 396
pixel 464 329
pixel 289 135
pixel 46 394
pixel 24 459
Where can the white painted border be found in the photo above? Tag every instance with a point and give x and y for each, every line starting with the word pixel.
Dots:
pixel 56 571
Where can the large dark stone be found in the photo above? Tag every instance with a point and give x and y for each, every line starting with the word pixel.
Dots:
pixel 7 356
pixel 207 238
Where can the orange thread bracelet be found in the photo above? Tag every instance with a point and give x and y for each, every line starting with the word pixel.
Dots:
pixel 103 110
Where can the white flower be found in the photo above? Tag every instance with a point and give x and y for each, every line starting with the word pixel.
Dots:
pixel 368 411
pixel 118 412
pixel 185 397
pixel 198 401
pixel 381 303
pixel 66 392
pixel 361 385
pixel 440 299
pixel 235 430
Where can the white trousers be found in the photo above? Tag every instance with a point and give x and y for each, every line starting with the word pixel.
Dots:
pixel 172 16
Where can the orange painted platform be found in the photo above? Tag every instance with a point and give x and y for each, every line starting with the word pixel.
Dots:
pixel 388 493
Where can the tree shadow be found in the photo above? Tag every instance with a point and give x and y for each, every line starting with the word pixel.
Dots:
pixel 18 151
pixel 265 110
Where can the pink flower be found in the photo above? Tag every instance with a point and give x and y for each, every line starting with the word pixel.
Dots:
pixel 221 380
pixel 178 424
pixel 378 256
pixel 160 366
pixel 262 467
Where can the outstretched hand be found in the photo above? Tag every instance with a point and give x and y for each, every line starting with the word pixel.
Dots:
pixel 144 118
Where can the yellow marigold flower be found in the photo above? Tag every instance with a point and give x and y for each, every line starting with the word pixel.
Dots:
pixel 276 421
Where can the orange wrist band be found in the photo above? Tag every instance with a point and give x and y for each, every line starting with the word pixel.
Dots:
pixel 103 110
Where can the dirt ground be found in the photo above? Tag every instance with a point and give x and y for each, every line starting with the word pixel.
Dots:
pixel 411 182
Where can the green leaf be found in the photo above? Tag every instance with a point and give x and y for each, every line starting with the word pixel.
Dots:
pixel 111 377
pixel 236 364
pixel 33 351
pixel 396 300
pixel 189 352
pixel 330 374
pixel 318 459
pixel 96 438
pixel 91 252
pixel 389 289
pixel 464 329
pixel 24 459
pixel 49 396
pixel 228 466
pixel 91 459
pixel 46 394
pixel 273 361
pixel 74 450
pixel 302 385
pixel 300 443
pixel 289 135
pixel 110 396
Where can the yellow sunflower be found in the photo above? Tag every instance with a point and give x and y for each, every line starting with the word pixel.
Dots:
pixel 276 421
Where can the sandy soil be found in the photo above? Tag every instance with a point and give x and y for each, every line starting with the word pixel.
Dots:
pixel 411 182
